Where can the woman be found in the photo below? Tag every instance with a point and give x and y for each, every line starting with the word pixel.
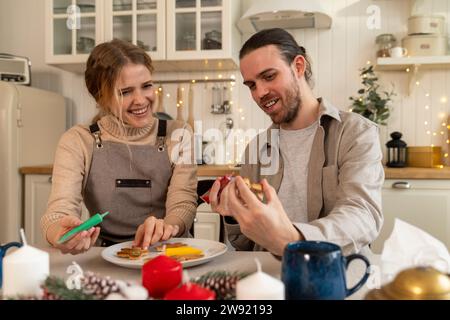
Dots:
pixel 126 162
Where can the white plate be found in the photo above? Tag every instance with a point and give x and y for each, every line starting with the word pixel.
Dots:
pixel 211 249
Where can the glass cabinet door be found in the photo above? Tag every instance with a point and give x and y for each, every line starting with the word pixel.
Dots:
pixel 74 27
pixel 140 22
pixel 195 26
pixel 211 25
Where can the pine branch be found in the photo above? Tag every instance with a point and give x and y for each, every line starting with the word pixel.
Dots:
pixel 57 287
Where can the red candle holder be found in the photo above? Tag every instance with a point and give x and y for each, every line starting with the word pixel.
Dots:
pixel 160 275
pixel 190 291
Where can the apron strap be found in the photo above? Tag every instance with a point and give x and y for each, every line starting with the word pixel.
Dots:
pixel 162 132
pixel 95 131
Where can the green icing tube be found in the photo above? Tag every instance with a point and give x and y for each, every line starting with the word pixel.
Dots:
pixel 89 223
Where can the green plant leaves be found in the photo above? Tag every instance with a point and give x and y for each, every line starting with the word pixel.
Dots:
pixel 370 103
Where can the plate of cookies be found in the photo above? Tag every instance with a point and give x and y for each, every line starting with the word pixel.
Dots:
pixel 188 251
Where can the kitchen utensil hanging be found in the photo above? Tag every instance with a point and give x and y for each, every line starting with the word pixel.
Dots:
pixel 190 119
pixel 216 104
pixel 180 103
pixel 226 101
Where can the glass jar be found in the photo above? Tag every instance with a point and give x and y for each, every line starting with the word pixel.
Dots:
pixel 385 42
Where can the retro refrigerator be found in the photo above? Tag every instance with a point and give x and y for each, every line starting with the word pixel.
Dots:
pixel 31 123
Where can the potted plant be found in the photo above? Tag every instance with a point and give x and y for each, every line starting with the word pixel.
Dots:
pixel 370 103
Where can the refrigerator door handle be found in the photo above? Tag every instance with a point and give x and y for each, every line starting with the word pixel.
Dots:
pixel 19 118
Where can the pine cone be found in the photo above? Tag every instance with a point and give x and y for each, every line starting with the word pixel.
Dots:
pixel 223 283
pixel 99 287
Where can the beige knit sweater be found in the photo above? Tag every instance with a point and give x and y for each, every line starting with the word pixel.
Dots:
pixel 73 159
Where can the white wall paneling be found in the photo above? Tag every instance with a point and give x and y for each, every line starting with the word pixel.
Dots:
pixel 336 54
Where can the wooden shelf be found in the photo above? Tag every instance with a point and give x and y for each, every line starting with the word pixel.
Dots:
pixel 401 64
pixel 165 65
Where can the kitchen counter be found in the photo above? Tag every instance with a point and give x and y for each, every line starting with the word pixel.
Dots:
pixel 242 261
pixel 220 170
pixel 417 173
pixel 203 170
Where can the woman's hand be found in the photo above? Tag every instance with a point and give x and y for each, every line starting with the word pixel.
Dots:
pixel 79 243
pixel 152 231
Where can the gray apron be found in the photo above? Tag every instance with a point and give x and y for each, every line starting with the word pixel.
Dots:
pixel 130 182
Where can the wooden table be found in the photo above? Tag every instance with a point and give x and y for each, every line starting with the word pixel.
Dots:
pixel 230 261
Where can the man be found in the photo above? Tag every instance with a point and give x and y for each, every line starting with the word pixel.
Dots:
pixel 328 176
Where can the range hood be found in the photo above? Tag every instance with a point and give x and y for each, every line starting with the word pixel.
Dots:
pixel 286 14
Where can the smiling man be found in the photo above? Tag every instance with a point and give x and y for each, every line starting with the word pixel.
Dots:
pixel 328 175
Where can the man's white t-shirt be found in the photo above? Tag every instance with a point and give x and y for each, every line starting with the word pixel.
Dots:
pixel 295 148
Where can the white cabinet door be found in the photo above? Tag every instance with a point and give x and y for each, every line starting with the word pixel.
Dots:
pixel 422 203
pixel 37 191
pixel 202 30
pixel 207 223
pixel 141 22
pixel 73 28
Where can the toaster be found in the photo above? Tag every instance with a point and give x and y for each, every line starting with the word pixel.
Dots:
pixel 15 69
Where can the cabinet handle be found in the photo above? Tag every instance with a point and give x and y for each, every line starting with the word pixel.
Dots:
pixel 195 220
pixel 50 180
pixel 401 185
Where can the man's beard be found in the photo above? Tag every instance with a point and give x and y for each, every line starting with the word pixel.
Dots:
pixel 289 110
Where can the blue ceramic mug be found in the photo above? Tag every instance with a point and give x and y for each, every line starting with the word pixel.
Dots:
pixel 3 249
pixel 313 270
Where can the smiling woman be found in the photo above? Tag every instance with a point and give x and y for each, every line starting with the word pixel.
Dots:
pixel 136 95
pixel 125 162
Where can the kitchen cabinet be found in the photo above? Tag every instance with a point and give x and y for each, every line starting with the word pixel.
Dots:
pixel 37 190
pixel 141 22
pixel 179 35
pixel 202 34
pixel 207 223
pixel 422 203
pixel 72 29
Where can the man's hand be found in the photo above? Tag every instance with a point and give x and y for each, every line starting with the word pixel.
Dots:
pixel 79 243
pixel 266 224
pixel 152 231
pixel 219 205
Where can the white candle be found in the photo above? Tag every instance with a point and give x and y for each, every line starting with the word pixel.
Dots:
pixel 24 271
pixel 259 286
